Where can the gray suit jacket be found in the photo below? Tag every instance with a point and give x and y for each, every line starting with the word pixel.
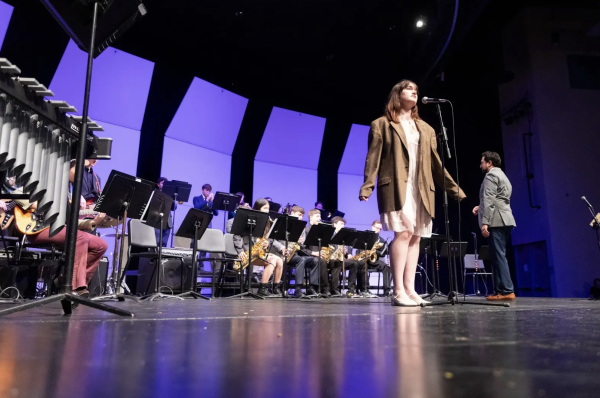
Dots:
pixel 494 200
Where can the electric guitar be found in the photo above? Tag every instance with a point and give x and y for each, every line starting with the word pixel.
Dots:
pixel 28 222
pixel 8 216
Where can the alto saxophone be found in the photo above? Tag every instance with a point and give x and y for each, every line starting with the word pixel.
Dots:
pixel 257 251
pixel 331 253
pixel 293 250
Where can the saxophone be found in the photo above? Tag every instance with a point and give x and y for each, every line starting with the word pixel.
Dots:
pixel 256 252
pixel 370 255
pixel 295 247
pixel 333 254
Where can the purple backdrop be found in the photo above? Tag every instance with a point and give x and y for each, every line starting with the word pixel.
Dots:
pixel 198 166
pixel 208 117
pixel 285 166
pixel 120 85
pixel 5 14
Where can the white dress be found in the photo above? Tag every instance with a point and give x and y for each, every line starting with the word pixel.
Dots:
pixel 413 217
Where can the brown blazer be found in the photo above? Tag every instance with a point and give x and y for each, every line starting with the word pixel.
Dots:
pixel 387 163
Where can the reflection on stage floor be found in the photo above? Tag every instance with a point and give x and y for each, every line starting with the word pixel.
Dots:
pixel 322 348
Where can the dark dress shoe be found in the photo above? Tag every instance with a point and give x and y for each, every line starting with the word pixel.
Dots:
pixel 298 293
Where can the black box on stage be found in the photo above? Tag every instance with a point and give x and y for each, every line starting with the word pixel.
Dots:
pixel 25 276
pixel 173 269
pixel 97 285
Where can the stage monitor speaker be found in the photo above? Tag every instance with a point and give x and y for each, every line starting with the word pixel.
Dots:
pixel 171 275
pixel 115 17
pixel 97 285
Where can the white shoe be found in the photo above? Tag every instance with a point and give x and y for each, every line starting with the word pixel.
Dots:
pixel 396 302
pixel 417 299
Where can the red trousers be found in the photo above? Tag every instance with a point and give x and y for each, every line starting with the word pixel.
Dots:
pixel 89 249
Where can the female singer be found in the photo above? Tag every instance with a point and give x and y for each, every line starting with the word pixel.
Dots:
pixel 403 160
pixel 273 262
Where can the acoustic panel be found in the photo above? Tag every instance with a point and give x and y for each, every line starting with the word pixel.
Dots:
pixel 285 184
pixel 355 153
pixel 197 166
pixel 5 14
pixel 292 139
pixel 209 117
pixel 120 85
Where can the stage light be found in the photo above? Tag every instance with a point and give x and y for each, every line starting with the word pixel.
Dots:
pixel 420 23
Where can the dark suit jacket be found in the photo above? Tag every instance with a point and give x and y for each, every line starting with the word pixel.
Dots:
pixel 387 165
pixel 202 204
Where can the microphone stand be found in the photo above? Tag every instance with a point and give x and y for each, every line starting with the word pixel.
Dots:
pixel 453 279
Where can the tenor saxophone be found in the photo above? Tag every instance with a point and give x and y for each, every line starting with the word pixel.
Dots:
pixel 257 251
pixel 293 250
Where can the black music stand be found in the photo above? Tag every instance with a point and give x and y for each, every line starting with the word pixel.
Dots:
pixel 123 196
pixel 344 237
pixel 193 226
pixel 226 202
pixel 457 251
pixel 319 235
pixel 428 247
pixel 160 204
pixel 247 224
pixel 180 192
pixel 289 229
pixel 274 207
pixel 365 240
pixel 325 215
pixel 274 215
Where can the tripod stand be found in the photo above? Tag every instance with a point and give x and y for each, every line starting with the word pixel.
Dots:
pixel 453 278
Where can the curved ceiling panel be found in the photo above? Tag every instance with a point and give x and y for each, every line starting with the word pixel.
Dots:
pixel 208 117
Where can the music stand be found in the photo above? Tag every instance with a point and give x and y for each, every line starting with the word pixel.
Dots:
pixel 289 229
pixel 325 215
pixel 180 192
pixel 343 237
pixel 247 224
pixel 193 226
pixel 365 240
pixel 160 203
pixel 319 235
pixel 274 207
pixel 226 202
pixel 123 196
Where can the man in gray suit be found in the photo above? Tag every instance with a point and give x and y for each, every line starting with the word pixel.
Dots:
pixel 496 221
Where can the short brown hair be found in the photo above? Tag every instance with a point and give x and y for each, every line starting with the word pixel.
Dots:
pixel 207 186
pixel 297 209
pixel 313 212
pixel 492 157
pixel 394 104
pixel 377 222
pixel 337 219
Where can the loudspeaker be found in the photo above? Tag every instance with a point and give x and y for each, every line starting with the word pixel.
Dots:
pixel 97 285
pixel 173 270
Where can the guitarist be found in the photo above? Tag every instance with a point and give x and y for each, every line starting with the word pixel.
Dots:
pixel 89 248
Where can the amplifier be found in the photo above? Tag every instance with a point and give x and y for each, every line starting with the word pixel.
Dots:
pixel 97 286
pixel 174 271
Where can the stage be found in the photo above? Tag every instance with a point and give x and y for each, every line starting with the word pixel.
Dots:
pixel 321 348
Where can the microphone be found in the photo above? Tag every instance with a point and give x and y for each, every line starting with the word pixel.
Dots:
pixel 427 100
pixel 586 201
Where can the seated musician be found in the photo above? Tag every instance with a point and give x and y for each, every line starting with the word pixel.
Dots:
pixel 335 265
pixel 89 248
pixel 315 263
pixel 91 188
pixel 297 261
pixel 378 265
pixel 272 263
pixel 205 201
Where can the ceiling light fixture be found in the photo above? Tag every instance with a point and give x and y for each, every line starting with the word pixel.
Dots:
pixel 420 23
